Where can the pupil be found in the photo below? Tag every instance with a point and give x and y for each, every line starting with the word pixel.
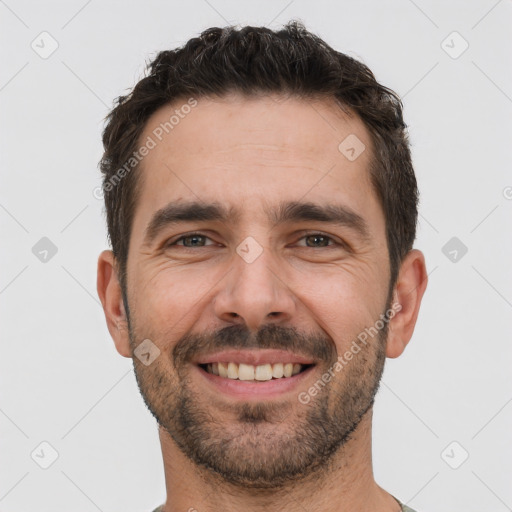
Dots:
pixel 318 237
pixel 195 237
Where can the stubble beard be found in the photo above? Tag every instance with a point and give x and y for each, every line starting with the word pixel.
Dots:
pixel 269 445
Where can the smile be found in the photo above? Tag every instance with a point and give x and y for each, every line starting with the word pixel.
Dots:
pixel 249 372
pixel 261 374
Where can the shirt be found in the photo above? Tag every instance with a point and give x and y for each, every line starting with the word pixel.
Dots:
pixel 405 508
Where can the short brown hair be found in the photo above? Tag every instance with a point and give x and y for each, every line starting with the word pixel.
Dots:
pixel 255 60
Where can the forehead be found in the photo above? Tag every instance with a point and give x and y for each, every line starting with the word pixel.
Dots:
pixel 245 151
pixel 273 125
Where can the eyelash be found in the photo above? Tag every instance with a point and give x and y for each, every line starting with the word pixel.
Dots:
pixel 190 235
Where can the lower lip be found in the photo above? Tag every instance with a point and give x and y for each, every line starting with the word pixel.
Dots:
pixel 247 390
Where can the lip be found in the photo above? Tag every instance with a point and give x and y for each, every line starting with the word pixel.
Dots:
pixel 254 357
pixel 247 390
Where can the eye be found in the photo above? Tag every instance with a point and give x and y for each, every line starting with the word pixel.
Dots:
pixel 312 240
pixel 191 240
pixel 318 240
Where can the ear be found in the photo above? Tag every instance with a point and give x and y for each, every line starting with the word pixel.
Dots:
pixel 409 289
pixel 109 291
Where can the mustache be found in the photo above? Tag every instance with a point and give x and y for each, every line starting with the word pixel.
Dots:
pixel 316 346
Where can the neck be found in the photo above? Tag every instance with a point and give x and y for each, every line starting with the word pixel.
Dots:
pixel 345 483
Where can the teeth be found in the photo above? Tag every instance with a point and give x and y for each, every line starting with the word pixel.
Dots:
pixel 223 369
pixel 260 372
pixel 263 372
pixel 232 371
pixel 277 370
pixel 245 371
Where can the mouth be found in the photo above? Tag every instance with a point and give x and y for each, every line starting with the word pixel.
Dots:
pixel 248 375
pixel 250 372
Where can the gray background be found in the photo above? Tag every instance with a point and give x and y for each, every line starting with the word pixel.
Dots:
pixel 61 380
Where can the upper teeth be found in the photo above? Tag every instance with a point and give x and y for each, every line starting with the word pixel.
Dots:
pixel 250 372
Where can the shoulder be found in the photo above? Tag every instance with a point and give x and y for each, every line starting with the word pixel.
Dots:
pixel 405 508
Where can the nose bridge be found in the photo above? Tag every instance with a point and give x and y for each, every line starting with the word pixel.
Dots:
pixel 253 292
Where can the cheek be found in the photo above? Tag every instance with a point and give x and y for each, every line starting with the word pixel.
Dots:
pixel 166 299
pixel 163 305
pixel 343 303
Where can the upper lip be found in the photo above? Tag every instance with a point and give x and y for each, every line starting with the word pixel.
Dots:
pixel 254 357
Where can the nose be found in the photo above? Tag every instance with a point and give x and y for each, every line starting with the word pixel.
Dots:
pixel 255 293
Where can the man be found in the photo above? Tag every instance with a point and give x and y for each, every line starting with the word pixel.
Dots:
pixel 261 205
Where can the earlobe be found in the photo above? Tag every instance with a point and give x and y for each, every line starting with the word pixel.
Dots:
pixel 109 292
pixel 409 289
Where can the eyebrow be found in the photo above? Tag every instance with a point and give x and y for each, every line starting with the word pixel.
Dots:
pixel 287 212
pixel 335 214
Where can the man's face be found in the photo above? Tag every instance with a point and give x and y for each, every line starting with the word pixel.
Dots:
pixel 268 283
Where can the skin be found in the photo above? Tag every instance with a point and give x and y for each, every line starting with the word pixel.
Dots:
pixel 251 154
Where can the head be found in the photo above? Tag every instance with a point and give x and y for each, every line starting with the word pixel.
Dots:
pixel 262 205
